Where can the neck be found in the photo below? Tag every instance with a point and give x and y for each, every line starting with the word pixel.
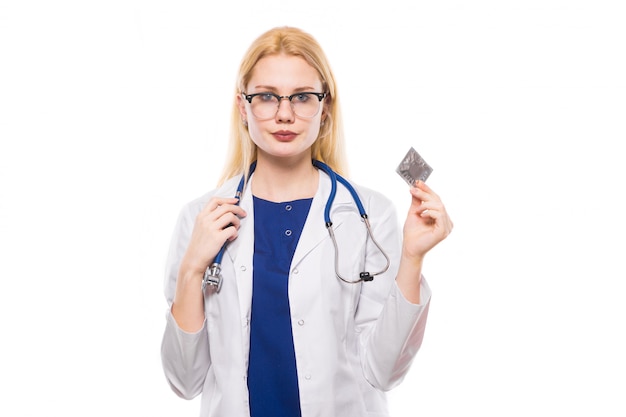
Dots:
pixel 280 182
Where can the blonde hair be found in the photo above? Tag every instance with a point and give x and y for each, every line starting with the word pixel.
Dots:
pixel 329 145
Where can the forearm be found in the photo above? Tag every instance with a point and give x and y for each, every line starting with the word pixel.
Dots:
pixel 396 338
pixel 409 277
pixel 186 358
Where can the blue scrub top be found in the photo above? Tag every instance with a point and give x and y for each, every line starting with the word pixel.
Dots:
pixel 272 375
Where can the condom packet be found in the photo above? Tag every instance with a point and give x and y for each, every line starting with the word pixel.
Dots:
pixel 413 167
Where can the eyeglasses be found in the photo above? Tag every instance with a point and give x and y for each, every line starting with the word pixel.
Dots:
pixel 265 106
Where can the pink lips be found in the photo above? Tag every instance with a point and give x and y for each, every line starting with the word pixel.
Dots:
pixel 284 135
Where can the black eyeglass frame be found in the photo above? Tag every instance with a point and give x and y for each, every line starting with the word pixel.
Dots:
pixel 320 97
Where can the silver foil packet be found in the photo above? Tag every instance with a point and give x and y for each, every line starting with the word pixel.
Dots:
pixel 413 168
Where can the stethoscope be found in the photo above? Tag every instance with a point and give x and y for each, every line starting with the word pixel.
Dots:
pixel 212 275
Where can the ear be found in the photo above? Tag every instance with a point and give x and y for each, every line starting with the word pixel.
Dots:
pixel 241 103
pixel 325 108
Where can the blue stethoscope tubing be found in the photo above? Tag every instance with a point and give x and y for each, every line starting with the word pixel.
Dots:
pixel 212 274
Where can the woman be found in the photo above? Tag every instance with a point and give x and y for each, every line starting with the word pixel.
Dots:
pixel 284 336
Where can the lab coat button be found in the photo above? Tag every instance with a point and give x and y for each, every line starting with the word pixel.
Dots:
pixel 243 267
pixel 301 322
pixel 307 376
pixel 295 272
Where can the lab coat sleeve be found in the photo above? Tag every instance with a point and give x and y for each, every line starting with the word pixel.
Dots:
pixel 391 328
pixel 185 356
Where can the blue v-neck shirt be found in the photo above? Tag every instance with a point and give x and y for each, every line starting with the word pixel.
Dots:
pixel 272 375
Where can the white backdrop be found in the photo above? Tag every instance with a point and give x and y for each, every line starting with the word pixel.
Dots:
pixel 114 114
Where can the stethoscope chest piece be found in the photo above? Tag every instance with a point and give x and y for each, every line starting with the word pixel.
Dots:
pixel 212 278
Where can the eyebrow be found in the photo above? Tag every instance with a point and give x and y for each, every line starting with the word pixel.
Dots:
pixel 274 89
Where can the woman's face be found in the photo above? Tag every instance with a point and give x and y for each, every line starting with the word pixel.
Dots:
pixel 285 135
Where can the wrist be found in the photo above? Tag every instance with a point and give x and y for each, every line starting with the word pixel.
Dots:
pixel 190 274
pixel 409 277
pixel 412 259
pixel 189 266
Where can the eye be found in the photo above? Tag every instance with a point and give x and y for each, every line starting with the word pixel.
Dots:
pixel 301 98
pixel 266 97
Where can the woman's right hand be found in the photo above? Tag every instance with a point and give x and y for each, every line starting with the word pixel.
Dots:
pixel 217 223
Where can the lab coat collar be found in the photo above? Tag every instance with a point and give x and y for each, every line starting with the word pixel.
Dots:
pixel 315 231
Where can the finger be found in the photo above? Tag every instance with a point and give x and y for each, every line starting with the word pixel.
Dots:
pixel 233 235
pixel 427 208
pixel 419 198
pixel 433 214
pixel 219 205
pixel 423 186
pixel 220 219
pixel 431 205
pixel 440 219
pixel 228 208
pixel 216 202
pixel 228 220
pixel 229 233
pixel 423 191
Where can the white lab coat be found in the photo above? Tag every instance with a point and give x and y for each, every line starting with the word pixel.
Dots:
pixel 352 342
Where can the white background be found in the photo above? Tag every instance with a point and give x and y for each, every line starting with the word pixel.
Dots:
pixel 114 114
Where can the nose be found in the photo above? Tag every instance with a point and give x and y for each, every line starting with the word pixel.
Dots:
pixel 285 112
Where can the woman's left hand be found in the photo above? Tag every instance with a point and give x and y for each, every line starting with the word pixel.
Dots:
pixel 427 222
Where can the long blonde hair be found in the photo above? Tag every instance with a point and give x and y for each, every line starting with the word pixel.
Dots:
pixel 329 146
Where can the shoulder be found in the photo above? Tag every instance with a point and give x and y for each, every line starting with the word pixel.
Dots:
pixel 371 196
pixel 379 207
